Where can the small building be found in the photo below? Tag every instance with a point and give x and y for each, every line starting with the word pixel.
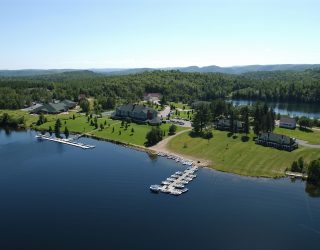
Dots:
pixel 55 107
pixel 278 141
pixel 152 97
pixel 287 122
pixel 137 113
pixel 224 124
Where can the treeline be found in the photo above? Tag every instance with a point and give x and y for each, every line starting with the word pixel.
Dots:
pixel 16 92
pixel 281 86
pixel 312 169
pixel 259 116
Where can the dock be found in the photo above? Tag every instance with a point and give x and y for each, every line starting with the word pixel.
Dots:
pixel 175 184
pixel 296 175
pixel 70 142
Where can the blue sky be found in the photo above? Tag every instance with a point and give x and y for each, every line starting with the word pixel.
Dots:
pixel 157 33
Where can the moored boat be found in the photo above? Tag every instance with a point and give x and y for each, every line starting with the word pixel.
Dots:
pixel 155 188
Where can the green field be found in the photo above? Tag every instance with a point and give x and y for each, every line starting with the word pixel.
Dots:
pixel 233 155
pixel 311 136
pixel 19 113
pixel 81 125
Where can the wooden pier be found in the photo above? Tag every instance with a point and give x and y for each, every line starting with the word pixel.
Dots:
pixel 65 141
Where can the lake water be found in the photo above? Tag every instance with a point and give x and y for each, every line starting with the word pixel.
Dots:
pixel 56 196
pixel 291 109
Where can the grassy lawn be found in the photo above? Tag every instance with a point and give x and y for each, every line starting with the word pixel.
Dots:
pixel 138 137
pixel 313 137
pixel 81 125
pixel 19 113
pixel 233 155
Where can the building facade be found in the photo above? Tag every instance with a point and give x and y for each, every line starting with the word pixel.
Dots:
pixel 224 124
pixel 278 141
pixel 137 113
pixel 55 107
pixel 152 97
pixel 287 122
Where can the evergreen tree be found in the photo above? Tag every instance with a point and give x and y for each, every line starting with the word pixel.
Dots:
pixel 172 129
pixel 57 127
pixel 154 136
pixel 245 119
pixel 66 132
pixel 50 130
pixel 201 118
pixel 314 172
pixel 85 105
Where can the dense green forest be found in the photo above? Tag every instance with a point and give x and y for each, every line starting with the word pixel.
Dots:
pixel 17 92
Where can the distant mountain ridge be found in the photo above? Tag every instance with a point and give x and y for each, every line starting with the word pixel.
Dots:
pixel 205 69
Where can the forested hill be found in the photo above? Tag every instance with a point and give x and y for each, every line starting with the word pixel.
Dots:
pixel 16 92
pixel 190 69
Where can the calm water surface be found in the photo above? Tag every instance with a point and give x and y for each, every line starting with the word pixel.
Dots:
pixel 55 196
pixel 291 109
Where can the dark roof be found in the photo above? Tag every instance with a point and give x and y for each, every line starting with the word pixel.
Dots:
pixel 68 103
pixel 287 119
pixel 135 108
pixel 276 138
pixel 139 108
pixel 55 107
pixel 126 107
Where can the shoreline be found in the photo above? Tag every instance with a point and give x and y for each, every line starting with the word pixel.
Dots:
pixel 161 148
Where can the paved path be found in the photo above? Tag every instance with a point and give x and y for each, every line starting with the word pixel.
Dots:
pixel 162 147
pixel 164 113
pixel 306 144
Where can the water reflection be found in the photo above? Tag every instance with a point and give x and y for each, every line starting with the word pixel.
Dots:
pixel 312 190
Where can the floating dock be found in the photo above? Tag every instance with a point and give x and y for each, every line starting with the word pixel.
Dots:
pixel 176 186
pixel 296 175
pixel 70 142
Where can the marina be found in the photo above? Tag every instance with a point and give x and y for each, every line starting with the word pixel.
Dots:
pixel 70 141
pixel 175 184
pixel 176 158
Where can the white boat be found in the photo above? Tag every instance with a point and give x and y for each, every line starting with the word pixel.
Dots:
pixel 183 181
pixel 178 173
pixel 155 188
pixel 175 176
pixel 175 192
pixel 170 179
pixel 184 190
pixel 165 182
pixel 165 190
pixel 177 185
pixel 192 175
pixel 188 179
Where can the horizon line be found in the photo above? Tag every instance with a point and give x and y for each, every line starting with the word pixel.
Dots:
pixel 159 68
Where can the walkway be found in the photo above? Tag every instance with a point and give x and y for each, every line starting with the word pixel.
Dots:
pixel 306 144
pixel 162 147
pixel 164 113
